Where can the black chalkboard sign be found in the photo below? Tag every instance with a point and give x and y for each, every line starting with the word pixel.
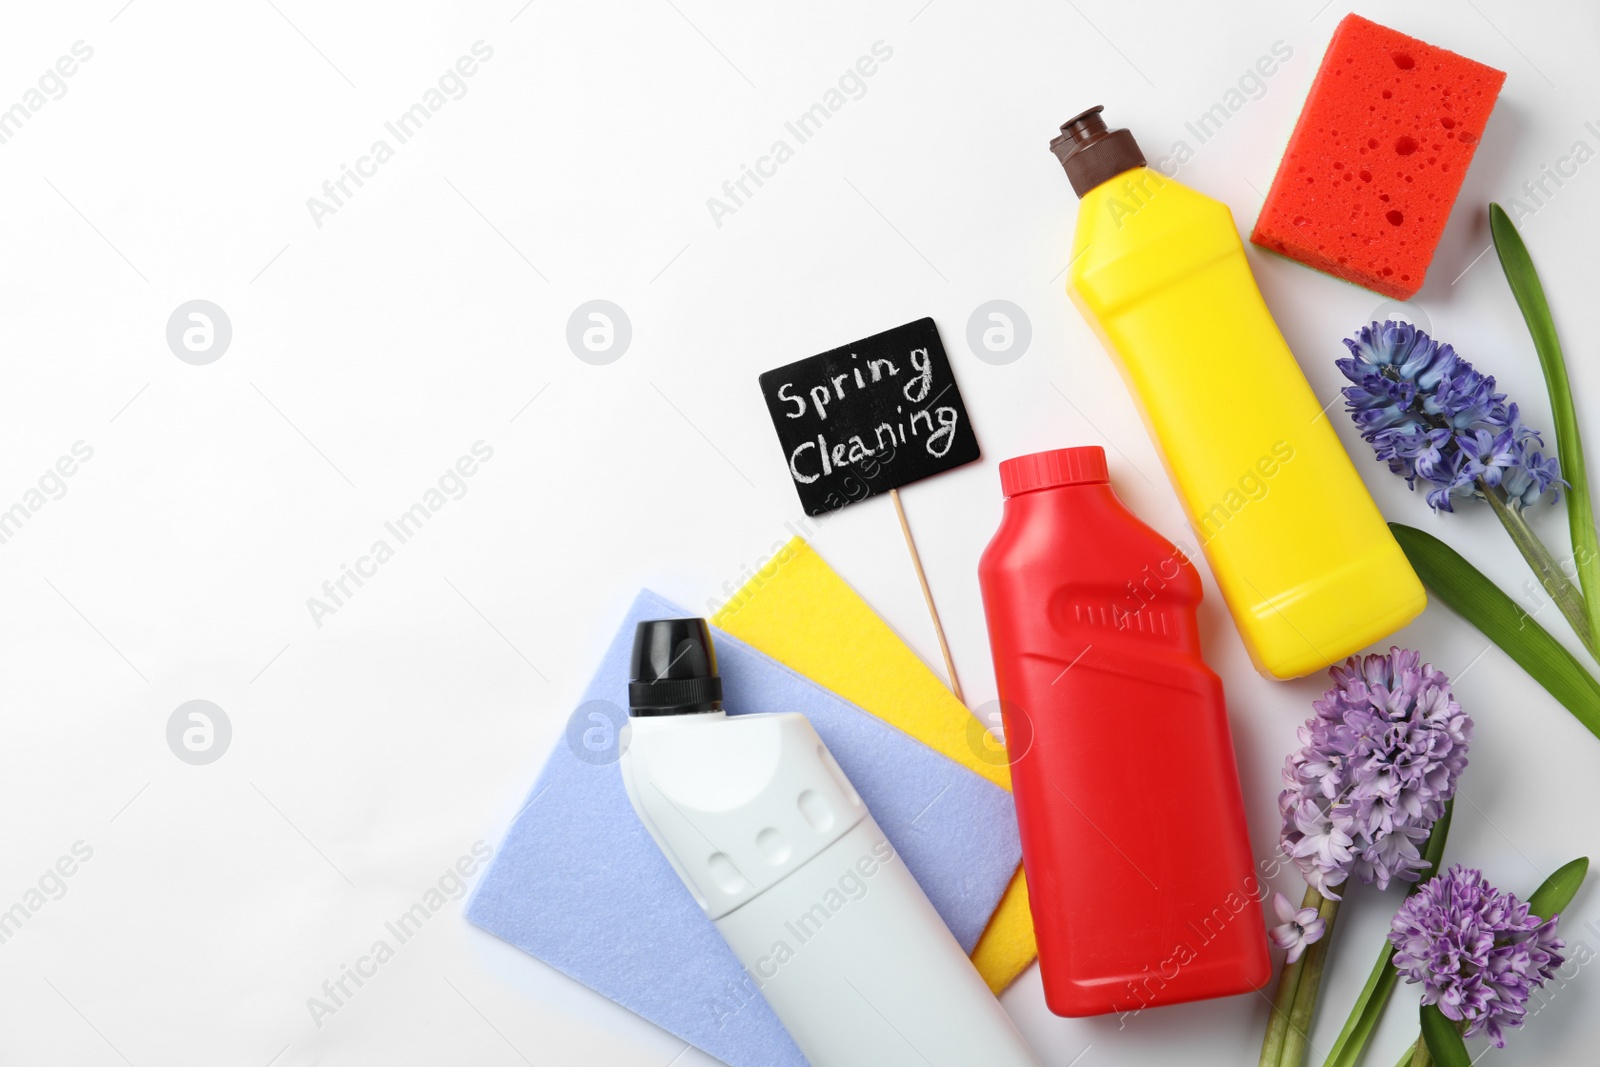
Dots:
pixel 869 417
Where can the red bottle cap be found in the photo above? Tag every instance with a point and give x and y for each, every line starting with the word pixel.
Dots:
pixel 1060 466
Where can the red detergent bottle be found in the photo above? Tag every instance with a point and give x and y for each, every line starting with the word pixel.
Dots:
pixel 1140 875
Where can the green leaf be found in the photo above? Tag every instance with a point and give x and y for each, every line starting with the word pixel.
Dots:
pixel 1460 585
pixel 1444 1041
pixel 1552 897
pixel 1368 1009
pixel 1525 286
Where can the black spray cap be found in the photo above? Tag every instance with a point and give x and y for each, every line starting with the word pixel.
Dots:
pixel 1092 154
pixel 673 670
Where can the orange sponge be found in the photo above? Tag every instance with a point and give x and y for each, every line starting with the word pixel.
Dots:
pixel 1377 158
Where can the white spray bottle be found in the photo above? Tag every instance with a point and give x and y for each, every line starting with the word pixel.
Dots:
pixel 779 851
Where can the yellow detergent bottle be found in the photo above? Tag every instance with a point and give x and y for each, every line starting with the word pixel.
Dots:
pixel 1309 569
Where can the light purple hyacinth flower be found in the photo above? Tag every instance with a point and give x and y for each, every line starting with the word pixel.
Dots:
pixel 1476 951
pixel 1298 930
pixel 1378 761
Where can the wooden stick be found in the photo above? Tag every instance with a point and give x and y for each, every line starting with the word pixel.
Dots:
pixel 927 595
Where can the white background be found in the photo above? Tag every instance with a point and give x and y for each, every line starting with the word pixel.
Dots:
pixel 371 752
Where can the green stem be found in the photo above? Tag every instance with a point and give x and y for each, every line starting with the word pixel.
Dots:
pixel 1368 1009
pixel 1304 1010
pixel 1283 999
pixel 1545 568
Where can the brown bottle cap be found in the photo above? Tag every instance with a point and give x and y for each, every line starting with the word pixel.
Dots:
pixel 1091 154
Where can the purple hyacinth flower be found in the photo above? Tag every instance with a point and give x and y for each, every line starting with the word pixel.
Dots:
pixel 1376 765
pixel 1298 930
pixel 1433 418
pixel 1477 952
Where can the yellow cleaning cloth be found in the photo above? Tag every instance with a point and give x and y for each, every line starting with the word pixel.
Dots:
pixel 801 613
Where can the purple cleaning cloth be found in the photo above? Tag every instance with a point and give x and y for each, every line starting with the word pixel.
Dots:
pixel 580 884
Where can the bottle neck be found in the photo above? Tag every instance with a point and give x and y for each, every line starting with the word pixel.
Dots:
pixel 1063 497
pixel 646 723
